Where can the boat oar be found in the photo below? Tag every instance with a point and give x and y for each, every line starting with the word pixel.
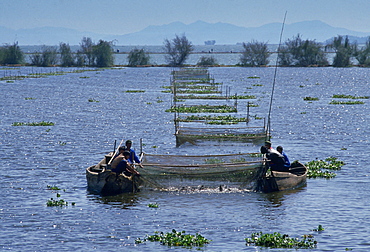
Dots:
pixel 114 152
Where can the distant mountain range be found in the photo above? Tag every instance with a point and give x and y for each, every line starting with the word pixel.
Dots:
pixel 197 32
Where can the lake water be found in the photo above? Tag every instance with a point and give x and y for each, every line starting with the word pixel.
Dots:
pixel 34 157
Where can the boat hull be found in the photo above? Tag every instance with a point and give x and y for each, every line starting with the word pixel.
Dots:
pixel 282 181
pixel 101 180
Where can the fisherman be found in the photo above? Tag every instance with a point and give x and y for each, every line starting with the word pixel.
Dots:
pixel 121 164
pixel 133 157
pixel 276 159
pixel 286 159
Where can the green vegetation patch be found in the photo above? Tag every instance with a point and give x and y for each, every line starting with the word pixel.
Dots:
pixel 323 168
pixel 175 238
pixel 135 91
pixel 57 202
pixel 346 102
pixel 277 240
pixel 153 205
pixel 350 97
pixel 203 109
pixel 308 98
pixel 53 188
pixel 42 123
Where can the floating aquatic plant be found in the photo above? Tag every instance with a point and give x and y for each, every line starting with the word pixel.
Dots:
pixel 319 229
pixel 155 205
pixel 29 98
pixel 92 100
pixel 308 98
pixel 135 91
pixel 350 97
pixel 346 102
pixel 53 187
pixel 175 238
pixel 323 168
pixel 58 202
pixel 277 240
pixel 42 123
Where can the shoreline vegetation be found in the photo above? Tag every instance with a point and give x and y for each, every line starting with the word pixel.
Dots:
pixel 294 52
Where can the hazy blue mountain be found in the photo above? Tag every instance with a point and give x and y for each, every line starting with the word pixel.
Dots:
pixel 196 32
pixel 223 33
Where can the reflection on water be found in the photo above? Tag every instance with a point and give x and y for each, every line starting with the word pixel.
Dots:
pixel 276 199
pixel 123 201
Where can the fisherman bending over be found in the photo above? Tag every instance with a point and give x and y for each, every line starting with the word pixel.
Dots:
pixel 277 160
pixel 121 164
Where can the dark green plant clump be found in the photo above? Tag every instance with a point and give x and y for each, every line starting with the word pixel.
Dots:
pixel 308 98
pixel 319 229
pixel 42 123
pixel 346 102
pixel 350 97
pixel 60 202
pixel 135 91
pixel 323 168
pixel 93 100
pixel 153 205
pixel 53 187
pixel 175 238
pixel 277 240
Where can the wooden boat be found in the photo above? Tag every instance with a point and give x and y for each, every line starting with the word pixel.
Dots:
pixel 101 180
pixel 281 181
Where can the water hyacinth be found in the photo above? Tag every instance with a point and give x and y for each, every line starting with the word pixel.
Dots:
pixel 42 123
pixel 277 240
pixel 323 168
pixel 175 238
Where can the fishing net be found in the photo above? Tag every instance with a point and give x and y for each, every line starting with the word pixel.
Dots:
pixel 191 74
pixel 174 171
pixel 193 135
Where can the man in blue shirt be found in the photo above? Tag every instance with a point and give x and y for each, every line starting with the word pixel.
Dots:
pixel 286 159
pixel 133 157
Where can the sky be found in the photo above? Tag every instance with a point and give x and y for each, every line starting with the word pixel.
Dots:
pixel 127 16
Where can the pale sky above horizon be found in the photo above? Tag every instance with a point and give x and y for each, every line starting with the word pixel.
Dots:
pixel 128 16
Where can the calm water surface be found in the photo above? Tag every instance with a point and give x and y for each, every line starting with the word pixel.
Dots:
pixel 35 157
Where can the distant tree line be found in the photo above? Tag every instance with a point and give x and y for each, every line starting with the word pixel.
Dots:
pixel 293 52
pixel 303 53
pixel 89 54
